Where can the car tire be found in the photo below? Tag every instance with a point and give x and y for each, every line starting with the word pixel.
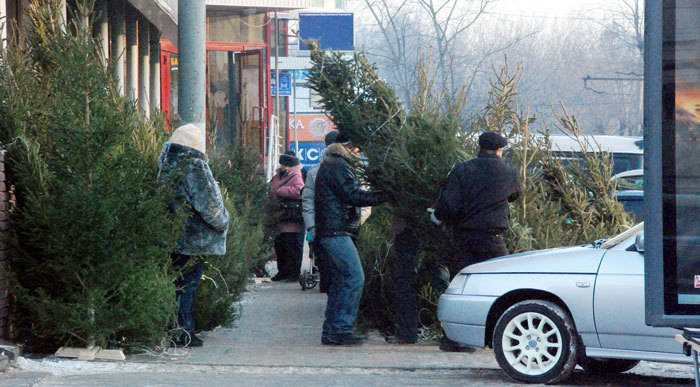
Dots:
pixel 535 342
pixel 608 366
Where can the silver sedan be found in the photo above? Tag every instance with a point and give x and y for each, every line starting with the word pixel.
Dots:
pixel 545 311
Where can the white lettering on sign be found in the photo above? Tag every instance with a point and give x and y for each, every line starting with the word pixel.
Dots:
pixel 312 154
pixel 298 124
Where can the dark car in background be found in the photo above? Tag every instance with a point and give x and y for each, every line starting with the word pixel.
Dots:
pixel 633 202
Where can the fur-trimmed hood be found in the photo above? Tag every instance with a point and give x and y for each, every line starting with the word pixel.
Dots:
pixel 339 150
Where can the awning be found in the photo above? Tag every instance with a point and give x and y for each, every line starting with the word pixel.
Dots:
pixel 162 14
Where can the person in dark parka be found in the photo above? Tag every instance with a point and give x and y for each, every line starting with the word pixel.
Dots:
pixel 183 166
pixel 337 201
pixel 307 196
pixel 475 202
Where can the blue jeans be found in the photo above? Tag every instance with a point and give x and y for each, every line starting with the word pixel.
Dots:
pixel 186 289
pixel 346 287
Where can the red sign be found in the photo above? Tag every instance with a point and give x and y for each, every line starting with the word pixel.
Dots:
pixel 697 281
pixel 310 127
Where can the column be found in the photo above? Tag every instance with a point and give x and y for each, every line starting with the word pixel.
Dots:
pixel 116 14
pixel 192 80
pixel 103 30
pixel 3 27
pixel 64 14
pixel 155 67
pixel 132 54
pixel 144 66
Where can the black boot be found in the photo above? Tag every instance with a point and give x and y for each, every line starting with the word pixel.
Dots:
pixel 342 339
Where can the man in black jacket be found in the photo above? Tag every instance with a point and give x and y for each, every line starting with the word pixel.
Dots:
pixel 475 202
pixel 337 201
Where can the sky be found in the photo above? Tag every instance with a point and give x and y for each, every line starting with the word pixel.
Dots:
pixel 544 10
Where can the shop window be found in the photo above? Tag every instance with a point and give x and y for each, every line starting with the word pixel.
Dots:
pixel 225 26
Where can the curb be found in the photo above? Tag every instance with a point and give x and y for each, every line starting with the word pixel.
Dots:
pixel 8 356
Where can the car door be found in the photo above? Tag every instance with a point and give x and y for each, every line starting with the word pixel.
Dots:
pixel 618 306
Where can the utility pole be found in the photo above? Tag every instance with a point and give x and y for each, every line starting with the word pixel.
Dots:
pixel 191 17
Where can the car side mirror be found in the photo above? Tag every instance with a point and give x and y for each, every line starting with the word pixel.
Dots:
pixel 639 242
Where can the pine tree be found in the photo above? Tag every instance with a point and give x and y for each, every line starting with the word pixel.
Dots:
pixel 92 236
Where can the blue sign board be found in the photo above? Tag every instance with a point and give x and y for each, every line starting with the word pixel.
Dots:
pixel 309 152
pixel 285 84
pixel 334 31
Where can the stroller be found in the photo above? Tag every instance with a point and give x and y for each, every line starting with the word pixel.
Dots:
pixel 309 275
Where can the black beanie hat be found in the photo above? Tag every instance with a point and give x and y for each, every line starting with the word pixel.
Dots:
pixel 492 141
pixel 331 137
pixel 289 159
pixel 343 139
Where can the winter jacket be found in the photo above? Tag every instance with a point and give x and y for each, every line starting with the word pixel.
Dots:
pixel 477 194
pixel 338 196
pixel 197 195
pixel 287 184
pixel 307 195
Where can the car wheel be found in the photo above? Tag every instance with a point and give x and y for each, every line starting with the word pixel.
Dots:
pixel 535 342
pixel 608 366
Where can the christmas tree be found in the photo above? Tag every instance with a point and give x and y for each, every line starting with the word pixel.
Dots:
pixel 409 155
pixel 92 237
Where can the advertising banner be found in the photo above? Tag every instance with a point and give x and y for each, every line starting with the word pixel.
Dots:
pixel 309 152
pixel 310 127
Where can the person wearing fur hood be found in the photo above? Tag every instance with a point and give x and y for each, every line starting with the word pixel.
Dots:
pixel 183 166
pixel 285 189
pixel 338 197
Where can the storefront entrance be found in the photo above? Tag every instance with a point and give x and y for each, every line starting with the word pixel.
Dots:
pixel 235 99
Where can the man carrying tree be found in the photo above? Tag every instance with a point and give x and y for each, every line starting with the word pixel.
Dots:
pixel 475 202
pixel 337 201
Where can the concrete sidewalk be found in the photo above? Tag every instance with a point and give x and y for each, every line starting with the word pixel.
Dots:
pixel 281 327
pixel 278 342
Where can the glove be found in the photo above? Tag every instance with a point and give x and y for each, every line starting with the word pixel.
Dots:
pixel 433 218
pixel 310 235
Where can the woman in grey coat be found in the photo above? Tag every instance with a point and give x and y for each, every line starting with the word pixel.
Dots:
pixel 183 166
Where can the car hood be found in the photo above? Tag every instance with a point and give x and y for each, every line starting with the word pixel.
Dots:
pixel 582 259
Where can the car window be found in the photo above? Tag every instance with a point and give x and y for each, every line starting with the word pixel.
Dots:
pixel 630 183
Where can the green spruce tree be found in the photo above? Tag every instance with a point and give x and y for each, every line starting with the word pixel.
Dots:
pixel 409 155
pixel 91 233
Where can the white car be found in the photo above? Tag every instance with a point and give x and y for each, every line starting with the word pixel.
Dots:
pixel 545 311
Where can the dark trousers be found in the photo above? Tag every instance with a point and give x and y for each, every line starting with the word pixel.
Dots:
pixel 187 284
pixel 289 247
pixel 478 246
pixel 324 264
pixel 404 276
